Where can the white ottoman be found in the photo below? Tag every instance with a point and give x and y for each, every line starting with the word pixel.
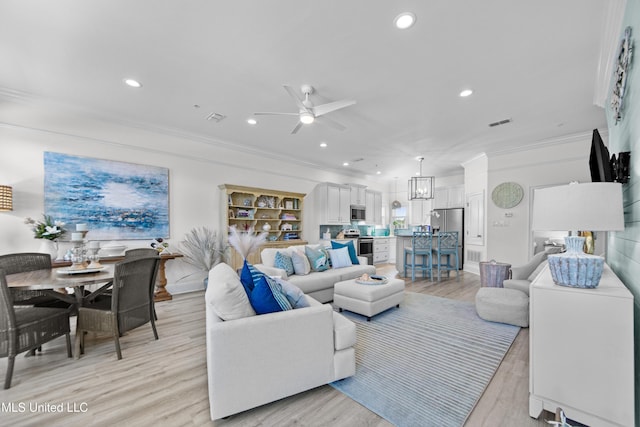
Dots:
pixel 368 300
pixel 503 305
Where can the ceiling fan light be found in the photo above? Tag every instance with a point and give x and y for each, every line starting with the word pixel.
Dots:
pixel 405 20
pixel 306 118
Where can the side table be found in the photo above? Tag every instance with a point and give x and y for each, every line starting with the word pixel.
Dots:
pixel 493 273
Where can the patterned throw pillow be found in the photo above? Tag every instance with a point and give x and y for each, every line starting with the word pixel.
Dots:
pixel 352 250
pixel 293 293
pixel 267 296
pixel 284 262
pixel 317 259
pixel 340 258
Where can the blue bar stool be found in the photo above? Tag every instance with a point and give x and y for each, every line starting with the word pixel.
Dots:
pixel 420 247
pixel 447 246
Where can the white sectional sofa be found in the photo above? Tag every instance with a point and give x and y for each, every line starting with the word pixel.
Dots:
pixel 317 284
pixel 257 359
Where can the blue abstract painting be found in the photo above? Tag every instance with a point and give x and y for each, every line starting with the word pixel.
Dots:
pixel 117 200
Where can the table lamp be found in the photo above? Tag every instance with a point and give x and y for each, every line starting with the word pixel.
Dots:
pixel 594 206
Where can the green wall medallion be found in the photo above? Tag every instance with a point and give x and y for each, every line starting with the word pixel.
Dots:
pixel 507 195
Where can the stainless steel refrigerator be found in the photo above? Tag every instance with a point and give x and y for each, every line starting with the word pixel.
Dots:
pixel 450 220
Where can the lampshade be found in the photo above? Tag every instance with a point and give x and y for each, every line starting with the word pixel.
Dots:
pixel 6 198
pixel 593 206
pixel 421 187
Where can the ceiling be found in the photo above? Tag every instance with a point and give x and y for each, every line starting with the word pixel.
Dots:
pixel 532 62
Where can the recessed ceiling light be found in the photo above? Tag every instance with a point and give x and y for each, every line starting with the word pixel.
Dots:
pixel 252 121
pixel 345 164
pixel 323 144
pixel 466 93
pixel 378 172
pixel 405 20
pixel 132 83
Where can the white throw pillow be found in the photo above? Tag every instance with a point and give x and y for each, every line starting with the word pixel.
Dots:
pixel 301 264
pixel 226 295
pixel 340 257
pixel 537 271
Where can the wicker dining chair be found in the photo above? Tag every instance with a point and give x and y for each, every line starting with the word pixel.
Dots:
pixel 27 328
pixel 146 253
pixel 24 262
pixel 128 305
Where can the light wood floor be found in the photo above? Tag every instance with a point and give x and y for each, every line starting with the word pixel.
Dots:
pixel 164 382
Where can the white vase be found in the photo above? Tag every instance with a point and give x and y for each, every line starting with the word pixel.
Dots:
pixel 49 247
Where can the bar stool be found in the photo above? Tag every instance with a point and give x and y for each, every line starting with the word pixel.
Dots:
pixel 421 247
pixel 447 246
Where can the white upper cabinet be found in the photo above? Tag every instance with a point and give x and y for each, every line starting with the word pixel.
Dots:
pixel 338 204
pixel 373 207
pixel 449 197
pixel 358 194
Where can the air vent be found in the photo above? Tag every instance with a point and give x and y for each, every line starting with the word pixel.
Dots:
pixel 501 122
pixel 215 117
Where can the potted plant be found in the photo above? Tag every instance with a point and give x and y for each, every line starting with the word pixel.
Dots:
pixel 49 231
pixel 203 248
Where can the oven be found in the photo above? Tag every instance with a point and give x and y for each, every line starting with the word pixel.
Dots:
pixel 365 248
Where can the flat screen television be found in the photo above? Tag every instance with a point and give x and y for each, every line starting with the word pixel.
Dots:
pixel 599 160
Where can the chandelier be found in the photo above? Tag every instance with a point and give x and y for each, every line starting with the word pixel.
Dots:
pixel 421 187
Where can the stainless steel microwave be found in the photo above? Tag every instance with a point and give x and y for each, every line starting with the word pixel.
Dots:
pixel 357 213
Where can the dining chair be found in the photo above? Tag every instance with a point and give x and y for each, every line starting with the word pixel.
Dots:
pixel 145 253
pixel 24 262
pixel 27 328
pixel 447 247
pixel 420 247
pixel 128 305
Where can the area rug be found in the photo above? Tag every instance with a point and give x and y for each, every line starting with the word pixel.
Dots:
pixel 426 363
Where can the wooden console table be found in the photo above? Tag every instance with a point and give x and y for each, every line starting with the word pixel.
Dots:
pixel 161 293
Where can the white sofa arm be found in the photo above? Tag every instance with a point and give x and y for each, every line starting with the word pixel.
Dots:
pixel 259 359
pixel 272 271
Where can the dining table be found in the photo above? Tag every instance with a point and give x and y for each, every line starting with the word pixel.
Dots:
pixel 54 281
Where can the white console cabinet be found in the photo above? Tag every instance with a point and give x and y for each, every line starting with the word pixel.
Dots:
pixel 581 351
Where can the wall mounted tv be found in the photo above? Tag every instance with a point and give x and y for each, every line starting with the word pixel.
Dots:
pixel 599 160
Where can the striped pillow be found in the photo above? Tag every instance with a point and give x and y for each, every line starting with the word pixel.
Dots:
pixel 267 297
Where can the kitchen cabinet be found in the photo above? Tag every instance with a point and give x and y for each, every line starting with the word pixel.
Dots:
pixel 419 212
pixel 581 356
pixel 448 197
pixel 373 207
pixel 392 250
pixel 380 250
pixel 338 204
pixel 358 194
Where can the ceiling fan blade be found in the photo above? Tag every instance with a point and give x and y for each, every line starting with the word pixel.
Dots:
pixel 330 122
pixel 331 106
pixel 292 94
pixel 297 128
pixel 275 114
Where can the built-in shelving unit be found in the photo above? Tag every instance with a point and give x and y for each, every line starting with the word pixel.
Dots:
pixel 277 212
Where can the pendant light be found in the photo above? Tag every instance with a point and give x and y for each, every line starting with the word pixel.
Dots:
pixel 421 187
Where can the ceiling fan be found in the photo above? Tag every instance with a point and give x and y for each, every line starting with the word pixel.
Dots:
pixel 308 113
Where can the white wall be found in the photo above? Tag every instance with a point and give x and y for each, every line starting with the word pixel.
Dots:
pixel 475 182
pixel 196 168
pixel 552 163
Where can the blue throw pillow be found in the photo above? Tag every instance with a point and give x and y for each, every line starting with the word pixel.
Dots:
pixel 352 250
pixel 267 296
pixel 249 276
pixel 293 293
pixel 317 258
pixel 284 262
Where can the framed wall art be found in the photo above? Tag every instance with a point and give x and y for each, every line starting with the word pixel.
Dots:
pixel 117 200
